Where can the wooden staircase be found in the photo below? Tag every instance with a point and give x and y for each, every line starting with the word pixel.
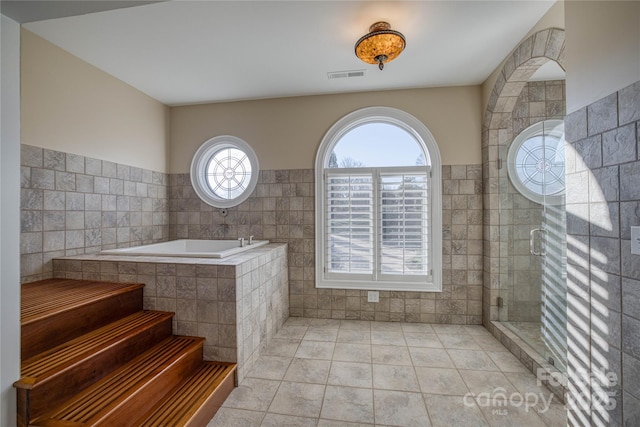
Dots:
pixel 92 357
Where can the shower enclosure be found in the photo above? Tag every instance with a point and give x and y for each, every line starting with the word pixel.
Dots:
pixel 533 301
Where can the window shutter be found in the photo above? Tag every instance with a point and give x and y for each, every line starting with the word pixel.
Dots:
pixel 349 223
pixel 404 228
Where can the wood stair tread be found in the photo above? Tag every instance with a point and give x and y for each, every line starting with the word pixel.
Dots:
pixel 65 356
pixel 196 399
pixel 107 396
pixel 91 356
pixel 45 298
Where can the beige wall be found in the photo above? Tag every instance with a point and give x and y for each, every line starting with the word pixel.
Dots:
pixel 71 106
pixel 603 41
pixel 285 133
pixel 554 18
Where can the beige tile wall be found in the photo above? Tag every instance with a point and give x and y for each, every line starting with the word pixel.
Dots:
pixel 497 133
pixel 521 273
pixel 281 209
pixel 603 203
pixel 74 204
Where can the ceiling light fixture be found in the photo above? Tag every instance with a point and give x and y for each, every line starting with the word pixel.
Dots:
pixel 381 45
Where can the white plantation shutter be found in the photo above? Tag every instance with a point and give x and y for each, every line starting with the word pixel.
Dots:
pixel 404 225
pixel 377 223
pixel 349 222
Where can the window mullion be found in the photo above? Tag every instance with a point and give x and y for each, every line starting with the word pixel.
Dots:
pixel 350 197
pixel 429 228
pixel 404 222
pixel 377 223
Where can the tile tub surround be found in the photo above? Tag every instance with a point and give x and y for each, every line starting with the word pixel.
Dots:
pixel 73 204
pixel 237 303
pixel 282 209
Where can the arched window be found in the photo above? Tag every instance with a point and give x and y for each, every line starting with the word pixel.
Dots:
pixel 379 204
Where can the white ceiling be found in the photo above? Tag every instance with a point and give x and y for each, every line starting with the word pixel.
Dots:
pixel 185 52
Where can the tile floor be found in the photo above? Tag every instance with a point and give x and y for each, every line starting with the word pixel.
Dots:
pixel 326 373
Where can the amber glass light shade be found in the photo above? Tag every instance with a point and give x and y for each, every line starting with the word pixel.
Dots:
pixel 381 45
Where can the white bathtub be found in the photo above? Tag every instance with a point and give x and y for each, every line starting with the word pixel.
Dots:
pixel 188 248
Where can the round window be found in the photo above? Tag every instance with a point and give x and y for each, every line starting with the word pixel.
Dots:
pixel 535 161
pixel 224 171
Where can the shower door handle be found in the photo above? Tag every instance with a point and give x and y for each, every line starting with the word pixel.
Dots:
pixel 533 234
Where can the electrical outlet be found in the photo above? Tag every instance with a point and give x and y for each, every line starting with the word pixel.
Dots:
pixel 373 296
pixel 635 240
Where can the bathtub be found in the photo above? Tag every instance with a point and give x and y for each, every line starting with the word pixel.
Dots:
pixel 188 248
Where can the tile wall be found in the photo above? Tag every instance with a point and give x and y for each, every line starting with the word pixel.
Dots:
pixel 499 126
pixel 497 133
pixel 603 203
pixel 73 204
pixel 281 209
pixel 521 272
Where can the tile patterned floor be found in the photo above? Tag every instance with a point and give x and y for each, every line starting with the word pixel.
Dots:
pixel 326 373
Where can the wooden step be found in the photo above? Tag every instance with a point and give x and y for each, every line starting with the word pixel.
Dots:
pixel 124 396
pixel 57 310
pixel 196 400
pixel 51 377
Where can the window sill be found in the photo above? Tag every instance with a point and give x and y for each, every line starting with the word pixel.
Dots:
pixel 378 286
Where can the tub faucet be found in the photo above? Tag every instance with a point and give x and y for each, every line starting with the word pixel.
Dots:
pixel 251 240
pixel 241 242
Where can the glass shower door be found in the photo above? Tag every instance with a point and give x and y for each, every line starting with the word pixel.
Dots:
pixel 554 248
pixel 533 235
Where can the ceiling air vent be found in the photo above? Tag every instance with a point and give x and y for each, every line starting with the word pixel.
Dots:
pixel 345 74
